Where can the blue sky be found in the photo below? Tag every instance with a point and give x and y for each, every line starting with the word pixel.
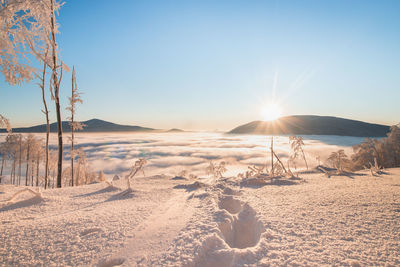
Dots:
pixel 213 64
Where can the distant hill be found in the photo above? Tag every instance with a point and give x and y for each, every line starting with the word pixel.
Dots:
pixel 175 130
pixel 94 125
pixel 313 125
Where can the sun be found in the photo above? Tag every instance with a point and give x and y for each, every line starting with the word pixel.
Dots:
pixel 271 112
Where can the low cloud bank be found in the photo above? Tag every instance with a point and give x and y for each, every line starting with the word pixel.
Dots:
pixel 167 153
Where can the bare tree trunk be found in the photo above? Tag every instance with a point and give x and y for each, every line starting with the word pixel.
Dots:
pixel 2 166
pixel 46 112
pixel 77 175
pixel 56 87
pixel 20 160
pixel 60 143
pixel 32 171
pixel 72 132
pixel 72 161
pixel 272 157
pixel 280 162
pixel 27 164
pixel 13 170
pixel 37 169
pixel 304 157
pixel 11 174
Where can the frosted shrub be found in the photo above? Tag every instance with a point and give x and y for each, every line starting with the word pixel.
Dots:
pixel 383 153
pixel 296 144
pixel 216 170
pixel 339 160
pixel 137 166
pixel 4 122
pixel 185 174
pixel 101 177
pixel 75 125
pixel 253 171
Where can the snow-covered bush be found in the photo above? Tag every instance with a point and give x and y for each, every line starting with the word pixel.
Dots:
pixel 216 170
pixel 386 151
pixel 339 161
pixel 137 166
pixel 101 177
pixel 5 123
pixel 185 174
pixel 296 145
pixel 253 171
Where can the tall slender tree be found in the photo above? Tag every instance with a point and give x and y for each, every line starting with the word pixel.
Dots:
pixel 4 155
pixel 75 125
pixel 56 87
pixel 4 147
pixel 25 27
pixel 28 150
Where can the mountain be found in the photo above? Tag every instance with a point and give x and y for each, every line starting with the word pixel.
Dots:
pixel 313 125
pixel 175 130
pixel 94 125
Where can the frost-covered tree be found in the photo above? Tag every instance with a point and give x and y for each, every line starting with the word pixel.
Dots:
pixel 384 152
pixel 53 158
pixel 75 125
pixel 81 171
pixel 393 143
pixel 4 150
pixel 15 29
pixel 339 160
pixel 20 153
pixel 4 156
pixel 42 84
pixel 137 166
pixel 26 27
pixel 57 68
pixel 38 155
pixel 296 144
pixel 5 123
pixel 10 146
pixel 29 143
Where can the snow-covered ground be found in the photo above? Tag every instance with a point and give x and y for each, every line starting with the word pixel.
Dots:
pixel 343 220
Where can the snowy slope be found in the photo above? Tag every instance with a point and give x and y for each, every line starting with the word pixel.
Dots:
pixel 342 220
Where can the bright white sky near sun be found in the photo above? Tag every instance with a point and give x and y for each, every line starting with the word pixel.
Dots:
pixel 216 64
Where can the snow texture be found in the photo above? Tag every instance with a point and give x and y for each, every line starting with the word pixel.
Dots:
pixel 314 221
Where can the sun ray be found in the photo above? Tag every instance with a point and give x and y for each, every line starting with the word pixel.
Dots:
pixel 271 112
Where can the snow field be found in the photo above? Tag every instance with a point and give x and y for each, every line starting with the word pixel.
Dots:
pixel 315 221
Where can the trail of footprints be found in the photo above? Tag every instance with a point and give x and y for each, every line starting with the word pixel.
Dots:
pixel 242 229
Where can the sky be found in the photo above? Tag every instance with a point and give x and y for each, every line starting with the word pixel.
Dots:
pixel 214 65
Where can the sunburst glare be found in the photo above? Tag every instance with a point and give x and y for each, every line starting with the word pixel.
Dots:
pixel 271 112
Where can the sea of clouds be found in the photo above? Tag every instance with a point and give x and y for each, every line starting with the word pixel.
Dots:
pixel 172 153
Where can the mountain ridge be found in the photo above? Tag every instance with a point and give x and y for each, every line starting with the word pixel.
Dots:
pixel 92 125
pixel 313 125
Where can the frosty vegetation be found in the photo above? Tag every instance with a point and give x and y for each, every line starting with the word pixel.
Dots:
pixel 75 125
pixel 137 167
pixel 216 170
pixel 28 30
pixel 22 159
pixel 25 156
pixel 28 38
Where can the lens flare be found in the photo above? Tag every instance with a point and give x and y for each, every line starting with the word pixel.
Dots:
pixel 271 112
